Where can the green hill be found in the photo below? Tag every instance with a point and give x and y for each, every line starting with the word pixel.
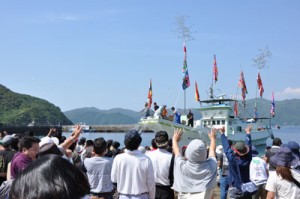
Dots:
pixel 20 109
pixel 94 116
pixel 286 113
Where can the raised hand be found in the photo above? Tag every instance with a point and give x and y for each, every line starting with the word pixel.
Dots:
pixel 212 134
pixel 177 135
pixel 77 131
pixel 222 130
pixel 248 129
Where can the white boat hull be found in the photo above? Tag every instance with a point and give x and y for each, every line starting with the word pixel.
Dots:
pixel 189 133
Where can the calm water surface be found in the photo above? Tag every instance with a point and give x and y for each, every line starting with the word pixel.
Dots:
pixel 286 133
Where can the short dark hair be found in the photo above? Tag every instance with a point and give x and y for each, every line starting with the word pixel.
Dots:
pixel 116 144
pixel 56 178
pixel 99 145
pixel 27 141
pixel 132 140
pixel 153 143
pixel 277 142
pixel 109 143
pixel 89 143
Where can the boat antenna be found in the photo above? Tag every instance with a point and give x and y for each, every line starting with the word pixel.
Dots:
pixel 185 34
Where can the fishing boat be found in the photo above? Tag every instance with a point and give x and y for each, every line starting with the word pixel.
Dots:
pixel 156 124
pixel 217 112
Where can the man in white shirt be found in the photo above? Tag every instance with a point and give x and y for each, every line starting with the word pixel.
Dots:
pixel 258 174
pixel 161 160
pixel 133 171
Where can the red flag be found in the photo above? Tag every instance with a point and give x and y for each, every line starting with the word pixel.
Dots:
pixel 273 106
pixel 150 95
pixel 260 85
pixel 215 70
pixel 197 97
pixel 242 85
pixel 236 108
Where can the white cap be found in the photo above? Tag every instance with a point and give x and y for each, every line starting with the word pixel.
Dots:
pixel 49 140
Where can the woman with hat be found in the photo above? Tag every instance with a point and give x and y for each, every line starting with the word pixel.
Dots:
pixel 239 158
pixel 283 183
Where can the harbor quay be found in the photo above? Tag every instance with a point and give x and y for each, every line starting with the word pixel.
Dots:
pixel 106 128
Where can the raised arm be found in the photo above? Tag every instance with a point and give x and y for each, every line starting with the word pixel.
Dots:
pixel 248 130
pixel 226 147
pixel 176 138
pixel 70 140
pixel 51 131
pixel 212 148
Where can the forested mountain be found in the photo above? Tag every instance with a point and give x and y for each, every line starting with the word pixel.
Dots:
pixel 287 113
pixel 20 109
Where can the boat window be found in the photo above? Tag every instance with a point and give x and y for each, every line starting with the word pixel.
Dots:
pixel 208 122
pixel 239 128
pixel 218 122
pixel 223 122
pixel 213 122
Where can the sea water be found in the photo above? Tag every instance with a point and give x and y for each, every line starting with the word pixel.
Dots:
pixel 285 133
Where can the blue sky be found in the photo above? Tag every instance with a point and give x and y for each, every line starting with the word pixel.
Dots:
pixel 103 54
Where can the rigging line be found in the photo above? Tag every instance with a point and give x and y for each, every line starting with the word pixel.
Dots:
pixel 176 101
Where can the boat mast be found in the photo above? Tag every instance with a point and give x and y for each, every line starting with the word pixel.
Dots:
pixel 183 32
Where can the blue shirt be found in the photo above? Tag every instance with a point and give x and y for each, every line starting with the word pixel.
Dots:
pixel 243 162
pixel 177 116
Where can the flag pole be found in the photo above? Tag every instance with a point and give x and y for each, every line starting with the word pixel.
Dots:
pixel 184 102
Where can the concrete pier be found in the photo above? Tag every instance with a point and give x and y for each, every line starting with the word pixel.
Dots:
pixel 107 128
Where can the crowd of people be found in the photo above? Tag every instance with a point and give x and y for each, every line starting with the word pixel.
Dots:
pixel 162 112
pixel 73 167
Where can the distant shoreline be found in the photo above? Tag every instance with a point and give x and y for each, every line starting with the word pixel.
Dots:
pixel 107 128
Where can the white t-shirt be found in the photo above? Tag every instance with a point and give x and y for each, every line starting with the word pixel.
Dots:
pixel 258 171
pixel 283 189
pixel 161 160
pixel 133 173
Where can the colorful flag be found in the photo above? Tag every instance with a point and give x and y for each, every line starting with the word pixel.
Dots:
pixel 273 106
pixel 186 78
pixel 197 96
pixel 260 85
pixel 242 85
pixel 150 95
pixel 236 108
pixel 215 70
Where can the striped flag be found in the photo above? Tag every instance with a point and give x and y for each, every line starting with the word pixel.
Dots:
pixel 186 78
pixel 150 94
pixel 273 106
pixel 236 108
pixel 260 85
pixel 197 96
pixel 215 70
pixel 242 85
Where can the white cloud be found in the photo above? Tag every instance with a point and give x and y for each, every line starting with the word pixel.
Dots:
pixel 64 17
pixel 70 18
pixel 288 93
pixel 52 18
